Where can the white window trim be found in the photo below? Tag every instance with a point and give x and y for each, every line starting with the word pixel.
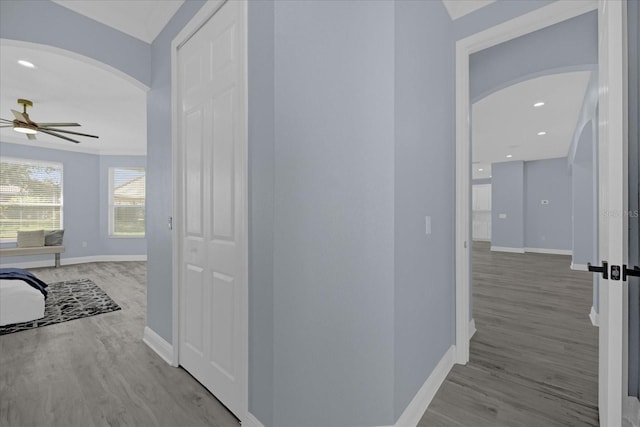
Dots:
pixel 22 161
pixel 111 206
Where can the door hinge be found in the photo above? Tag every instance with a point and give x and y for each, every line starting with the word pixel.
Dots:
pixel 170 224
pixel 604 269
pixel 635 271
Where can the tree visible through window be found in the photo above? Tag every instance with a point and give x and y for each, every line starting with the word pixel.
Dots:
pixel 30 196
pixel 126 202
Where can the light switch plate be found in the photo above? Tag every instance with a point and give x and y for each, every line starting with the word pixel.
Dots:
pixel 544 202
pixel 427 224
pixel 502 216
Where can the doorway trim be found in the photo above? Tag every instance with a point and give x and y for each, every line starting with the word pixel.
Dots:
pixel 208 10
pixel 540 18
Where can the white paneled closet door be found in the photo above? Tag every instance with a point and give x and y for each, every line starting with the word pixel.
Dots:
pixel 212 131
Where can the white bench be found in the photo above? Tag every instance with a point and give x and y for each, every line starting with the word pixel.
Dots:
pixel 38 250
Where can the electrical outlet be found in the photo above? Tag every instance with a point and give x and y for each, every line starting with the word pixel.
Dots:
pixel 544 202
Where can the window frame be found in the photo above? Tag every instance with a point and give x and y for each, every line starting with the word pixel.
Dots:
pixel 111 205
pixel 40 163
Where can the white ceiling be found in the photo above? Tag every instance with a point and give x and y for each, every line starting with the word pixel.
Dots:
pixel 506 122
pixel 65 89
pixel 142 19
pixel 458 8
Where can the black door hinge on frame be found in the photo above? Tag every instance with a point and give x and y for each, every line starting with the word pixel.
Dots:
pixel 604 269
pixel 635 271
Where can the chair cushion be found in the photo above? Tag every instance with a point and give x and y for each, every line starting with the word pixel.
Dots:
pixel 53 237
pixel 30 239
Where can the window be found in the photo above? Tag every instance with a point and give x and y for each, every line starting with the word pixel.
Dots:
pixel 126 202
pixel 30 196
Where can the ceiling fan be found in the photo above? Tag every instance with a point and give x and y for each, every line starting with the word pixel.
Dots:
pixel 23 124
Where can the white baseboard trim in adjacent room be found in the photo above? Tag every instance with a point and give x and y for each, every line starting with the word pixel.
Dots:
pixel 472 328
pixel 251 421
pixel 549 251
pixel 579 267
pixel 507 249
pixel 158 344
pixel 416 409
pixel 75 260
pixel 594 316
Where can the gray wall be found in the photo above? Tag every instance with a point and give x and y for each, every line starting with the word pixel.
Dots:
pixel 424 185
pixel 547 226
pixel 634 196
pixel 159 178
pixel 507 197
pixel 568 45
pixel 261 127
pixel 582 196
pixel 333 231
pixel 85 192
pixel 517 190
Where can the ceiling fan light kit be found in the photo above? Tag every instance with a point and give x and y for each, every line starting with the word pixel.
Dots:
pixel 24 128
pixel 23 124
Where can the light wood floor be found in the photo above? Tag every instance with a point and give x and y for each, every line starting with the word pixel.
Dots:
pixel 97 371
pixel 534 359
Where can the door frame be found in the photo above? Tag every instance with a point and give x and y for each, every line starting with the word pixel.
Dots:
pixel 535 20
pixel 613 167
pixel 540 18
pixel 208 10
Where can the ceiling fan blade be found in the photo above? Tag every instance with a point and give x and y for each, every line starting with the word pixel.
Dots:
pixel 59 136
pixel 31 136
pixel 46 125
pixel 68 131
pixel 5 120
pixel 6 126
pixel 21 117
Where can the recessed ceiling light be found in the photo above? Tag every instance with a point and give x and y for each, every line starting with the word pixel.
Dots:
pixel 541 133
pixel 538 104
pixel 509 156
pixel 480 170
pixel 26 64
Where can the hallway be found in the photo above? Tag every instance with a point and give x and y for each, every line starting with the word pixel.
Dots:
pixel 534 359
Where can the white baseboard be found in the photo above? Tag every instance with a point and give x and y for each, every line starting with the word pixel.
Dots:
pixel 549 251
pixel 76 260
pixel 579 267
pixel 507 249
pixel 416 409
pixel 532 250
pixel 472 328
pixel 594 316
pixel 158 344
pixel 251 421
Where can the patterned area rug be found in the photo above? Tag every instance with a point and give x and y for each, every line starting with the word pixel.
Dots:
pixel 68 301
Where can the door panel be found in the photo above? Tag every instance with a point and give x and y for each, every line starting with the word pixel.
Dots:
pixel 211 146
pixel 223 167
pixel 193 296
